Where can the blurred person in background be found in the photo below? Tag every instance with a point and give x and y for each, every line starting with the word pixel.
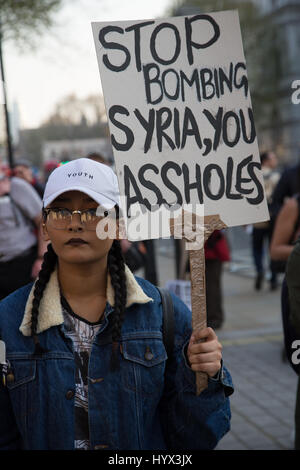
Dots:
pixel 23 169
pixel 49 166
pixel 287 186
pixel 21 248
pixel 293 285
pixel 98 157
pixel 216 253
pixel 286 230
pixel 284 213
pixel 262 231
pixel 285 234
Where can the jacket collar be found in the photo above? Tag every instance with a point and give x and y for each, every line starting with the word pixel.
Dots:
pixel 50 310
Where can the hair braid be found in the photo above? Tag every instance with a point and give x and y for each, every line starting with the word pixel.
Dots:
pixel 116 267
pixel 48 266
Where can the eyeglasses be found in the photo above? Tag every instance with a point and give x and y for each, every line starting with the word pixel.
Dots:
pixel 60 218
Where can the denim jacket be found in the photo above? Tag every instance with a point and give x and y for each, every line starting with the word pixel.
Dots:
pixel 148 403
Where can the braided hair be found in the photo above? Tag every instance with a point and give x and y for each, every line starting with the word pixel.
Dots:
pixel 50 259
pixel 116 268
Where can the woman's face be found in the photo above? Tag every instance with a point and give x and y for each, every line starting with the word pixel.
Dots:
pixel 75 243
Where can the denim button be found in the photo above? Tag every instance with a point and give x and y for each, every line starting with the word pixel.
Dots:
pixel 70 394
pixel 100 446
pixel 148 354
pixel 96 381
pixel 10 377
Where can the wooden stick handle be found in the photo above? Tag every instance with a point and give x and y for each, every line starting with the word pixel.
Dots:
pixel 198 298
pixel 197 268
pixel 198 287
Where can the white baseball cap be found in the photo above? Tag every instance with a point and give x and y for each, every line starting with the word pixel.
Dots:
pixel 97 180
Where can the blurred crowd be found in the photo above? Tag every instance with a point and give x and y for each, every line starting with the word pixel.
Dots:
pixel 21 191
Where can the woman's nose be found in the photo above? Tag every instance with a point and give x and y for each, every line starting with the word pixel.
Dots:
pixel 75 224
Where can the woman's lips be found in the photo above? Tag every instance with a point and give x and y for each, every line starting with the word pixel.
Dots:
pixel 76 241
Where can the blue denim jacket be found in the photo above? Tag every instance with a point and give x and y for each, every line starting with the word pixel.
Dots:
pixel 147 404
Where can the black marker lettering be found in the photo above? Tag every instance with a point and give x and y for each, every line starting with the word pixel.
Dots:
pixel 176 128
pixel 190 44
pixel 216 122
pixel 113 45
pixel 207 175
pixel 225 79
pixel 149 185
pixel 128 132
pixel 163 80
pixel 260 192
pixel 148 125
pixel 247 139
pixel 208 146
pixel 189 119
pixel 154 53
pixel 154 80
pixel 244 81
pixel 229 180
pixel 213 182
pixel 137 41
pixel 162 126
pixel 129 180
pixel 207 83
pixel 166 167
pixel 194 79
pixel 227 116
pixel 217 83
pixel 240 180
pixel 189 186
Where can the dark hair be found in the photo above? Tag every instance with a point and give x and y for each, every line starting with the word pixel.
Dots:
pixel 116 268
pixel 48 266
pixel 22 162
pixel 264 157
pixel 97 157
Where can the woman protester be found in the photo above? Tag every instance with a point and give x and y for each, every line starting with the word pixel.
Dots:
pixel 86 363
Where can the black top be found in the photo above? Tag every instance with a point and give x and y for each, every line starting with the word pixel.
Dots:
pixel 68 308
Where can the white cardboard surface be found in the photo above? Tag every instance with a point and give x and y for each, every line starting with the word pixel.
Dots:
pixel 233 186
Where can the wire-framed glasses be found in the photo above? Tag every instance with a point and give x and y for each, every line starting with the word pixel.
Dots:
pixel 60 218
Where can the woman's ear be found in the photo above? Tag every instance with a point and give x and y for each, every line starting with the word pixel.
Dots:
pixel 46 237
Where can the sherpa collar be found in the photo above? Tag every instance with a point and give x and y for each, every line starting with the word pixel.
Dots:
pixel 50 310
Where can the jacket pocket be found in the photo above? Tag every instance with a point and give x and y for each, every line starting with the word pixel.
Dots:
pixel 20 373
pixel 21 386
pixel 143 365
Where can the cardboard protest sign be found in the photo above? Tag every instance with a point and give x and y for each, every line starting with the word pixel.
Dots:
pixel 180 116
pixel 182 130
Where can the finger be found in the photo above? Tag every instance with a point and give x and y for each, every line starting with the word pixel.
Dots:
pixel 215 356
pixel 205 333
pixel 209 368
pixel 204 347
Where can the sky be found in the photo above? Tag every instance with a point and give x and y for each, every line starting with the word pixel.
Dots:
pixel 64 60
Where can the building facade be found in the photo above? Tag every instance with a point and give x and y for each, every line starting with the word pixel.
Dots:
pixel 60 150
